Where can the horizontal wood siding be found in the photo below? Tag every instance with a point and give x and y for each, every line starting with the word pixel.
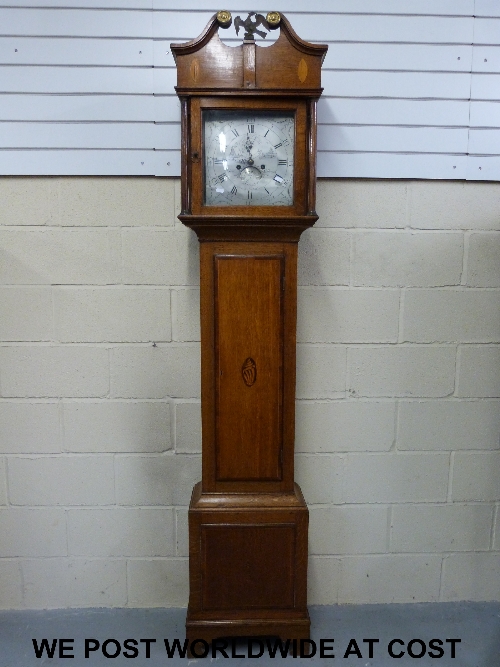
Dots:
pixel 411 89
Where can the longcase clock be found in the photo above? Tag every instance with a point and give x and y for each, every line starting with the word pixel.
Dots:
pixel 248 191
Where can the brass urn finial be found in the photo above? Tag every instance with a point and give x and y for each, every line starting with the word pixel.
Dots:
pixel 224 18
pixel 273 18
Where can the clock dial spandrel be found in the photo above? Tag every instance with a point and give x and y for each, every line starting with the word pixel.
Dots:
pixel 248 158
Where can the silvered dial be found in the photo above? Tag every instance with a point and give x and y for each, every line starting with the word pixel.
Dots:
pixel 248 158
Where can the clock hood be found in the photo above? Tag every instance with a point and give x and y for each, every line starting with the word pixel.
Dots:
pixel 206 64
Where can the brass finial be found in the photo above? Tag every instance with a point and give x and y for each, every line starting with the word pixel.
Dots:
pixel 224 18
pixel 273 18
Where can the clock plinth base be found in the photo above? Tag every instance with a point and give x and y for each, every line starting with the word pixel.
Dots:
pixel 247 565
pixel 209 631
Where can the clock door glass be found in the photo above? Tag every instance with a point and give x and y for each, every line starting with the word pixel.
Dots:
pixel 248 158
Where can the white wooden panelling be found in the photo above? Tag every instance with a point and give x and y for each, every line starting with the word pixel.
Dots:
pixel 167 108
pixel 487 31
pixel 485 114
pixel 483 168
pixel 387 165
pixel 90 135
pixel 74 51
pixel 485 87
pixel 161 136
pixel 85 108
pixel 486 59
pixel 162 55
pixel 339 27
pixel 165 79
pixel 77 22
pixel 445 113
pixel 137 163
pixel 414 85
pixel 394 139
pixel 427 7
pixel 46 79
pixel 397 82
pixel 484 142
pixel 129 80
pixel 85 162
pixel 88 108
pixel 86 4
pixel 487 8
pixel 393 57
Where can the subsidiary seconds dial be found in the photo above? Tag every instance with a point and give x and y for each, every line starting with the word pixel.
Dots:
pixel 248 158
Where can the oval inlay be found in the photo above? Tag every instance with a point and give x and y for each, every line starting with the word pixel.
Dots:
pixel 194 69
pixel 302 71
pixel 249 372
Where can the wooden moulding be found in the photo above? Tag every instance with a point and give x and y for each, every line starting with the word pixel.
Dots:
pixel 228 228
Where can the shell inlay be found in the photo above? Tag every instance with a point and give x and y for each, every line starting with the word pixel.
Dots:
pixel 302 71
pixel 194 69
pixel 249 372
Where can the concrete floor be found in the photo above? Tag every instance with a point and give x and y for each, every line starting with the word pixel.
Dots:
pixel 476 624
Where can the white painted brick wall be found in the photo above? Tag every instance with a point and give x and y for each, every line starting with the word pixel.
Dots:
pixel 186 314
pixel 111 314
pixel 3 482
pixel 74 582
pixel 121 532
pixel 445 424
pixel 407 259
pixel 29 427
pixel 396 478
pixel 116 426
pixel 483 261
pixel 440 528
pixel 11 584
pixel 454 205
pixel 55 256
pixel 471 576
pixel 156 479
pixel 440 316
pixel 324 257
pixel 401 371
pixel 358 529
pixel 54 371
pixel 160 257
pixel 398 388
pixel 33 533
pixel 157 583
pixel 188 428
pixel 61 480
pixel 397 578
pixel 348 315
pixel 321 371
pixel 155 371
pixel 478 374
pixel 30 314
pixel 344 426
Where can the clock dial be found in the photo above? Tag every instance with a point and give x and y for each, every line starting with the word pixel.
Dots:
pixel 248 158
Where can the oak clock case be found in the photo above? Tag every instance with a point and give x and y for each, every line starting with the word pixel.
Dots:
pixel 248 177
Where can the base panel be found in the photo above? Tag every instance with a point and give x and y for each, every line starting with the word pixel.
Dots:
pixel 247 566
pixel 208 631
